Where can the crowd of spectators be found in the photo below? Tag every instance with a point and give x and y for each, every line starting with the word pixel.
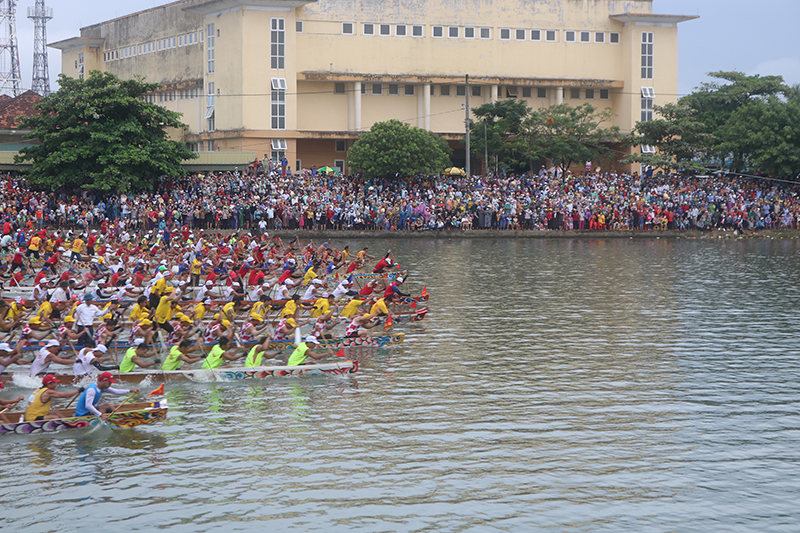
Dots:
pixel 547 200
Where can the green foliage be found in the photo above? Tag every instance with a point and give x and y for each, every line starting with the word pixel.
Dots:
pixel 680 139
pixel 566 135
pixel 100 134
pixel 500 124
pixel 393 148
pixel 764 136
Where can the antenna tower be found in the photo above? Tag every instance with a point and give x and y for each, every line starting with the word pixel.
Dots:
pixel 41 73
pixel 9 51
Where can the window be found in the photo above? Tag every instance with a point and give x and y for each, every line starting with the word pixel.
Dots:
pixel 408 90
pixel 589 95
pixel 298 26
pixel 505 34
pixel 394 89
pixel 338 88
pixel 647 149
pixel 174 42
pixel 647 109
pixel 511 92
pixel 339 165
pixel 277 41
pixel 648 92
pixel 211 123
pixel 347 28
pixel 400 30
pixel 363 88
pixel 416 31
pixel 279 144
pixel 613 38
pixel 486 33
pixel 536 35
pixel 278 111
pixel 277 155
pixel 210 48
pixel 603 94
pixel 599 37
pixel 368 29
pixel 279 84
pixel 297 164
pixel 569 36
pixel 377 89
pixel 585 36
pixel 476 90
pixel 550 36
pixel 519 35
pixel 438 31
pixel 444 90
pixel 210 145
pixel 209 112
pixel 541 92
pixel 461 90
pixel 452 32
pixel 526 92
pixel 341 145
pixel 210 94
pixel 386 29
pixel 432 91
pixel 575 94
pixel 469 33
pixel 647 55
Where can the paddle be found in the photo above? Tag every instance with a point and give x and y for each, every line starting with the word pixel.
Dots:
pixel 129 398
pixel 8 408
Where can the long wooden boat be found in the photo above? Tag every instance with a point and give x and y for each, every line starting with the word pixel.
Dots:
pixel 391 275
pixel 128 416
pixel 228 374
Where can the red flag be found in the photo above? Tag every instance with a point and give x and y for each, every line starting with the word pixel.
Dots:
pixel 158 392
pixel 424 291
pixel 413 305
pixel 340 353
pixel 388 323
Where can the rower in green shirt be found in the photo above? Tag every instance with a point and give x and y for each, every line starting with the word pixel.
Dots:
pixel 304 351
pixel 256 354
pixel 133 358
pixel 219 354
pixel 179 355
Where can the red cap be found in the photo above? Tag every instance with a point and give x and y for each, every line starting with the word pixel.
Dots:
pixel 48 379
pixel 106 376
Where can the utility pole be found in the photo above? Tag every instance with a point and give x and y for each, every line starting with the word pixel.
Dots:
pixel 41 72
pixel 485 148
pixel 9 51
pixel 466 122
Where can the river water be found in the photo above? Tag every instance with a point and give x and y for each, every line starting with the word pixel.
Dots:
pixel 567 385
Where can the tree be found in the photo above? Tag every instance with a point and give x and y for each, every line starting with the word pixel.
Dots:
pixel 100 133
pixel 500 124
pixel 566 135
pixel 677 134
pixel 393 148
pixel 763 136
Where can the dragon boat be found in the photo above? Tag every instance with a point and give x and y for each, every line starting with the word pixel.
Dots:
pixel 126 416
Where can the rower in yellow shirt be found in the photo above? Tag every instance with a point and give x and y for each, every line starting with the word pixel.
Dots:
pixel 321 306
pixel 310 275
pixel 167 305
pixel 351 308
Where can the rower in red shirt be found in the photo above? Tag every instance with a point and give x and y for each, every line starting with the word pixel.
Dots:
pixel 386 262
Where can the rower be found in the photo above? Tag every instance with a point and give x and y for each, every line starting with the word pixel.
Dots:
pixel 179 355
pixel 384 263
pixel 345 288
pixel 9 356
pixel 256 354
pixel 360 320
pixel 47 354
pixel 219 354
pixel 39 400
pixel 393 288
pixel 315 287
pixel 133 358
pixel 253 328
pixel 89 400
pixel 305 350
pixel 91 357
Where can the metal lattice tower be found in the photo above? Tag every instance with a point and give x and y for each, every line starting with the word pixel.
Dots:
pixel 41 72
pixel 9 51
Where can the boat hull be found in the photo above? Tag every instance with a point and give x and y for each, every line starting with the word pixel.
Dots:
pixel 127 419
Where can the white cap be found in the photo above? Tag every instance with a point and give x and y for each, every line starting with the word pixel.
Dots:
pixel 99 348
pixel 325 294
pixel 235 284
pixel 138 341
pixel 316 281
pixel 52 343
pixel 400 280
pixel 289 282
pixel 207 301
pixel 311 338
pixel 5 347
pixel 229 260
pixel 43 280
pixel 209 282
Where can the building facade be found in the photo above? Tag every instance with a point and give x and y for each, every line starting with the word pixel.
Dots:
pixel 303 78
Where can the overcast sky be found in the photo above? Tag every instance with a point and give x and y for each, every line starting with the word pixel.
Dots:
pixel 755 37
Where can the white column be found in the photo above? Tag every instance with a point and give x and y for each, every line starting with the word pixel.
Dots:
pixel 357 95
pixel 495 90
pixel 559 95
pixel 426 105
pixel 419 89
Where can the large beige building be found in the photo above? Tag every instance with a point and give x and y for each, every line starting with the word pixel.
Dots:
pixel 302 78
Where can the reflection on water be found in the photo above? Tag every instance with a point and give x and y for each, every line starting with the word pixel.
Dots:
pixel 645 385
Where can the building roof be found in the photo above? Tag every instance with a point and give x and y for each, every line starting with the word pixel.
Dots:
pixel 12 109
pixel 215 6
pixel 649 18
pixel 75 43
